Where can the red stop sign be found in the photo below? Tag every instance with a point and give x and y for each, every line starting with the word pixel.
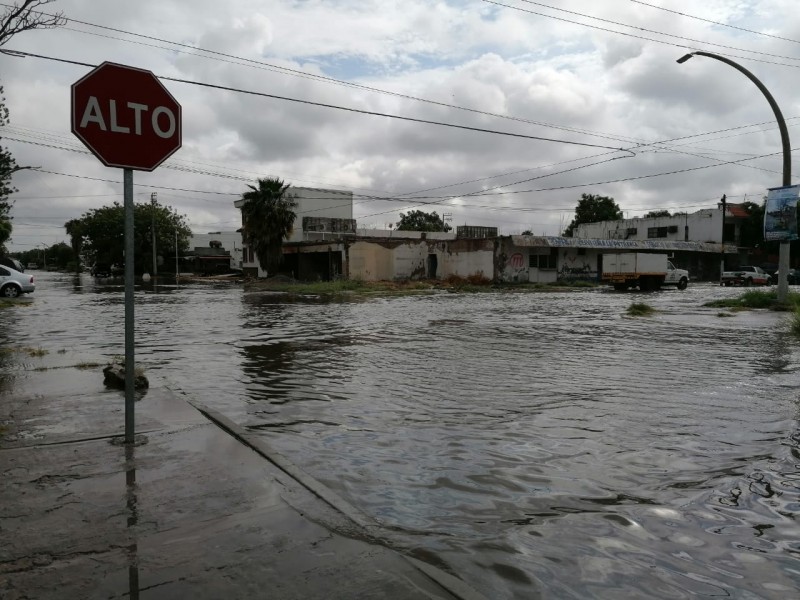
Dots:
pixel 126 117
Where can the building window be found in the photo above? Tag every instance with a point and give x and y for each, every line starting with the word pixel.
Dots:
pixel 632 231
pixel 657 232
pixel 544 261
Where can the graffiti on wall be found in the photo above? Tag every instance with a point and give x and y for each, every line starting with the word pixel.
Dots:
pixel 573 268
pixel 516 268
pixel 517 261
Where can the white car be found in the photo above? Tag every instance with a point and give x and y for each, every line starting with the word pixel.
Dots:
pixel 13 283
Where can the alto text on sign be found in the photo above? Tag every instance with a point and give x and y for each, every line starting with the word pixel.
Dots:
pixel 126 117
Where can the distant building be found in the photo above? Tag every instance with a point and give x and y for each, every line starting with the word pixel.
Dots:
pixel 231 241
pixel 705 225
pixel 326 244
pixel 311 251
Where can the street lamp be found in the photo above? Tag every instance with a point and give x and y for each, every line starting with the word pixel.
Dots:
pixel 783 259
pixel 44 255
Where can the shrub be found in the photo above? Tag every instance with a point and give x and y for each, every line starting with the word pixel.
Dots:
pixel 640 309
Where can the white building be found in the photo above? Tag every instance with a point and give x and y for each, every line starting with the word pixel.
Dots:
pixel 701 226
pixel 321 215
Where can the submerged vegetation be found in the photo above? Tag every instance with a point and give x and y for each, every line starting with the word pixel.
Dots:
pixel 453 283
pixel 640 309
pixel 758 299
pixel 764 300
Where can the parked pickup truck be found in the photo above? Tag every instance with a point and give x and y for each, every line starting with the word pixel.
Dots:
pixel 646 271
pixel 746 276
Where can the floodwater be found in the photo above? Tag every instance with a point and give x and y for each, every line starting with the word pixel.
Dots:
pixel 537 445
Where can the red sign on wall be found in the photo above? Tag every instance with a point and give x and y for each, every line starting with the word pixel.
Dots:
pixel 126 117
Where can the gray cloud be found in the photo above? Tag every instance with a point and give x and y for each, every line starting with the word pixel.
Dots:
pixel 609 89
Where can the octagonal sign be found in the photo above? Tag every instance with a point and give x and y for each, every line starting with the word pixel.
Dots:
pixel 126 117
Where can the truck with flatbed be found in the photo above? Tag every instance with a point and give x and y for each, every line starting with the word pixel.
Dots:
pixel 746 276
pixel 643 270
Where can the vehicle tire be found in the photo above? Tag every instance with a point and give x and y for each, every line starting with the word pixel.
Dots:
pixel 748 282
pixel 9 291
pixel 683 283
pixel 647 284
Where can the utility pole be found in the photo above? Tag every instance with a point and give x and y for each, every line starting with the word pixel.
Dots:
pixel 722 239
pixel 153 197
pixel 177 269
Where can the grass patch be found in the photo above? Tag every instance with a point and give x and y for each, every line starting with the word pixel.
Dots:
pixel 340 287
pixel 576 283
pixel 87 365
pixel 454 283
pixel 640 309
pixel 794 323
pixel 758 299
pixel 35 352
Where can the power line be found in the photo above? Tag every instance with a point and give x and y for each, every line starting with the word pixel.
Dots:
pixel 321 78
pixel 688 16
pixel 574 186
pixel 335 106
pixel 679 37
pixel 641 37
pixel 657 145
pixel 439 199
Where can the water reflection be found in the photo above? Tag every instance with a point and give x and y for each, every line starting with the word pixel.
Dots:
pixel 133 520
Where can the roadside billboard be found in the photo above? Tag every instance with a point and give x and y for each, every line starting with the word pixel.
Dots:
pixel 780 214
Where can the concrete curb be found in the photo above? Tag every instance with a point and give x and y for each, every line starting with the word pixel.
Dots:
pixel 448 582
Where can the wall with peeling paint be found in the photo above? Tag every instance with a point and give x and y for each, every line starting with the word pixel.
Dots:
pixel 386 259
pixel 466 258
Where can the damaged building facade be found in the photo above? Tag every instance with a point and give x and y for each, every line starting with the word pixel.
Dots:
pixel 325 245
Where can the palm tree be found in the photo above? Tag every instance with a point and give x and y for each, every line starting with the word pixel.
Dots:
pixel 267 218
pixel 76 229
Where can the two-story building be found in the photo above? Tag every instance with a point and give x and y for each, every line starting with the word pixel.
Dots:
pixel 314 248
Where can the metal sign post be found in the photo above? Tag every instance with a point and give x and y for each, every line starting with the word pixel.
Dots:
pixel 128 120
pixel 130 364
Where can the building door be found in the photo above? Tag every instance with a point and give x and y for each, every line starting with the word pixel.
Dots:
pixel 433 264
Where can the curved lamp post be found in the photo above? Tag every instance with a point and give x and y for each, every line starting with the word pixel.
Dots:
pixel 783 260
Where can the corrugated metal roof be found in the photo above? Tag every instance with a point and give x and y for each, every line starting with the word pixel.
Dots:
pixel 530 241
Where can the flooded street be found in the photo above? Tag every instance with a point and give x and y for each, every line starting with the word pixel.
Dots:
pixel 537 444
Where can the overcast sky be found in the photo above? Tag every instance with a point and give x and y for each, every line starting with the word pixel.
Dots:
pixel 599 74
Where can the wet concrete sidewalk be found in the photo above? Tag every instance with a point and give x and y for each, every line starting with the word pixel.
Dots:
pixel 193 512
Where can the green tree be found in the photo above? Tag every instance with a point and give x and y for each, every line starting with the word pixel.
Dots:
pixel 593 209
pixel 100 233
pixel 75 230
pixel 8 166
pixel 752 228
pixel 267 219
pixel 657 213
pixel 60 255
pixel 417 220
pixel 16 18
